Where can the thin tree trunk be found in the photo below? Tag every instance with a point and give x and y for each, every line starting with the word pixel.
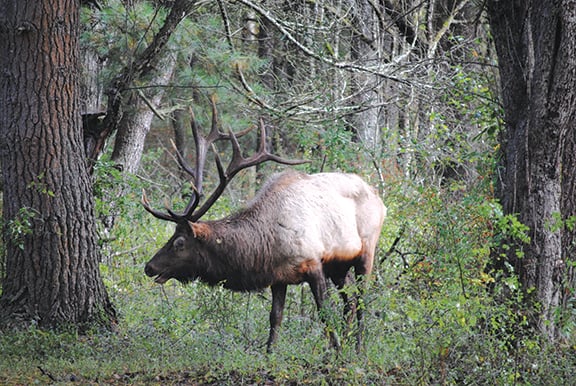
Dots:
pixel 366 51
pixel 135 123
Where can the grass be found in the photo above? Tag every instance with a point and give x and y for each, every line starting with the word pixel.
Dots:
pixel 176 337
pixel 208 336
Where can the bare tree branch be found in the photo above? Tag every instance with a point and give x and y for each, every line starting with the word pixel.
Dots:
pixel 379 69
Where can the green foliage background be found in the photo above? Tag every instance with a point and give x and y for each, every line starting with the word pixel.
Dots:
pixel 438 312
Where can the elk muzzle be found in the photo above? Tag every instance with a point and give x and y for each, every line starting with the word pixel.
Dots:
pixel 151 271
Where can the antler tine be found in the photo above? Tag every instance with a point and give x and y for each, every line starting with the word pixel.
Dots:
pixel 238 162
pixel 160 215
pixel 273 157
pixel 182 162
pixel 202 144
pixel 215 133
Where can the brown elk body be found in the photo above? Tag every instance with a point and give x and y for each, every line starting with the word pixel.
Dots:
pixel 299 228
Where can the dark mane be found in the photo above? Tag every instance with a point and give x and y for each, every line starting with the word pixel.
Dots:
pixel 239 263
pixel 247 264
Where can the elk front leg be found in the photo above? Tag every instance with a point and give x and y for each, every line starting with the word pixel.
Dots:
pixel 278 300
pixel 317 282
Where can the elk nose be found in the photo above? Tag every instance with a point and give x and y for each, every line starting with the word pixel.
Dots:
pixel 148 270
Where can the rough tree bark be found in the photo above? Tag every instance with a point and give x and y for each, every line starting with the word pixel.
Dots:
pixel 137 119
pixel 52 275
pixel 536 46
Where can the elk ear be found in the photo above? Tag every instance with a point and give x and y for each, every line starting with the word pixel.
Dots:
pixel 200 231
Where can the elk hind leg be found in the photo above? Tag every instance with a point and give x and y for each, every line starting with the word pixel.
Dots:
pixel 360 307
pixel 317 281
pixel 363 269
pixel 342 280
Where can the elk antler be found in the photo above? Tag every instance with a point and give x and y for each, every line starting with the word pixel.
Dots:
pixel 237 163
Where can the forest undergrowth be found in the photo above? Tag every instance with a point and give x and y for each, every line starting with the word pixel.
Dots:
pixel 436 312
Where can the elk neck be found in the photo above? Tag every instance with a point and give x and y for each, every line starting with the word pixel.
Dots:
pixel 238 252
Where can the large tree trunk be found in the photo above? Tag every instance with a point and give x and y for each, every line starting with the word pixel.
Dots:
pixel 52 274
pixel 536 45
pixel 563 108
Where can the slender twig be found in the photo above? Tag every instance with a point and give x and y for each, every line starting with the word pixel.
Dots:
pixel 46 373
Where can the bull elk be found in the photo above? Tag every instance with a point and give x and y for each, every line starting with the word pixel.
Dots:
pixel 298 228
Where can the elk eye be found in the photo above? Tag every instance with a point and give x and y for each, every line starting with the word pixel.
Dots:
pixel 179 243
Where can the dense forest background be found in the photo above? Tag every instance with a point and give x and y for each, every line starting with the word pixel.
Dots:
pixel 459 112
